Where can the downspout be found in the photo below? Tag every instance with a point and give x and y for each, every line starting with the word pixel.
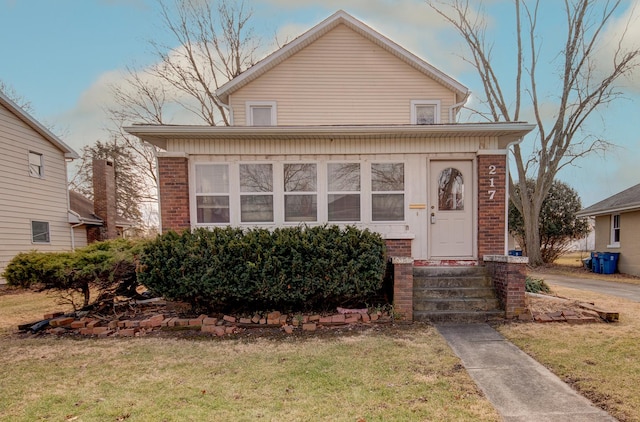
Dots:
pixel 73 226
pixel 458 105
pixel 229 110
pixel 155 157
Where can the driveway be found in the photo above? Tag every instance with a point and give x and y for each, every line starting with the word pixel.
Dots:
pixel 613 288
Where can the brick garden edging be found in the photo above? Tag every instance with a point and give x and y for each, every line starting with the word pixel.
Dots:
pixel 61 324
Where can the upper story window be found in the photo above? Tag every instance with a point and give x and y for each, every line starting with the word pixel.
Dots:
pixel 615 230
pixel 36 168
pixel 212 193
pixel 425 112
pixel 343 197
pixel 300 192
pixel 261 113
pixel 40 232
pixel 387 191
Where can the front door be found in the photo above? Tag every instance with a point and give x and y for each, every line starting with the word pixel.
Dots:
pixel 451 209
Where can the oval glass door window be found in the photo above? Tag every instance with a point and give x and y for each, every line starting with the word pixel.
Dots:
pixel 450 190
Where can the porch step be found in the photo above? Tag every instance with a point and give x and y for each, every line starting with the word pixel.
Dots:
pixel 454 294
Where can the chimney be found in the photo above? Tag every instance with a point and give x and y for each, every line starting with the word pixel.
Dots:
pixel 104 197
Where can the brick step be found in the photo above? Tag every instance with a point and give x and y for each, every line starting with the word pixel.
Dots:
pixel 457 304
pixel 426 293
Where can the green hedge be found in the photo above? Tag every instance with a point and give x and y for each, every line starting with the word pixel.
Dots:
pixel 109 267
pixel 230 269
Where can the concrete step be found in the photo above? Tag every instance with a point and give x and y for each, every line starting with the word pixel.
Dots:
pixel 457 316
pixel 449 271
pixel 459 292
pixel 454 294
pixel 457 304
pixel 452 282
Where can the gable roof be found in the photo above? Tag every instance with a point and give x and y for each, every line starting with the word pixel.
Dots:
pixel 627 200
pixel 37 126
pixel 338 18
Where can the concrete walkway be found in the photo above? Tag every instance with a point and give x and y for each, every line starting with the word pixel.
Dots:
pixel 519 388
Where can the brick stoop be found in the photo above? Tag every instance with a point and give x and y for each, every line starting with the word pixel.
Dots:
pixel 454 294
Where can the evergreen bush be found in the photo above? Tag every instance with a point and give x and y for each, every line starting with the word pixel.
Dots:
pixel 109 267
pixel 230 269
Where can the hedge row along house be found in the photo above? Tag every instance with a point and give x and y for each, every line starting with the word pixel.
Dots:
pixel 344 126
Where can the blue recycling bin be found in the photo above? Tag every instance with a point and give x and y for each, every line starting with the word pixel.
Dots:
pixel 595 262
pixel 609 262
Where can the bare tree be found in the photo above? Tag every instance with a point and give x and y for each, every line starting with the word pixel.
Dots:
pixel 13 95
pixel 585 87
pixel 216 44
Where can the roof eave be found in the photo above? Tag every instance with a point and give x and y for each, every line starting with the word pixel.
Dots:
pixel 508 133
pixel 607 211
pixel 38 127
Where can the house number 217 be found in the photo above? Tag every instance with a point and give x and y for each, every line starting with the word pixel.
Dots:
pixel 492 192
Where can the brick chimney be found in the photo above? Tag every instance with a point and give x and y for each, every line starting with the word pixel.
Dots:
pixel 104 197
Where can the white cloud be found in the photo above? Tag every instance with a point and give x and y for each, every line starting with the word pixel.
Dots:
pixel 626 28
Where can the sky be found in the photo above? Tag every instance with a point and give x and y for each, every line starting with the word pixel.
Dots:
pixel 63 55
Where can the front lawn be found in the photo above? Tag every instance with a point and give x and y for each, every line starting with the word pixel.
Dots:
pixel 385 374
pixel 602 361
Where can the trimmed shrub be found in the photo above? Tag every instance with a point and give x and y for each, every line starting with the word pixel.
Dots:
pixel 230 269
pixel 109 267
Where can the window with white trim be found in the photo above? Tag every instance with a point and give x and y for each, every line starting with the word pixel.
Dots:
pixel 261 113
pixel 36 168
pixel 256 193
pixel 387 191
pixel 40 232
pixel 300 192
pixel 425 112
pixel 343 193
pixel 212 193
pixel 615 230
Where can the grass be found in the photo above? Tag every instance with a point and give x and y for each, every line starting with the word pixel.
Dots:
pixel 386 375
pixel 602 361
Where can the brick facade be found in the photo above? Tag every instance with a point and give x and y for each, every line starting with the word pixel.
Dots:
pixel 509 275
pixel 399 253
pixel 173 173
pixel 492 182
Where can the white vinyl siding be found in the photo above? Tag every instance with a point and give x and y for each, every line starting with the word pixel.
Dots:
pixel 24 198
pixel 354 145
pixel 342 78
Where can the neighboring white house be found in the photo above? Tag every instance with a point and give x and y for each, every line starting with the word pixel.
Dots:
pixel 34 200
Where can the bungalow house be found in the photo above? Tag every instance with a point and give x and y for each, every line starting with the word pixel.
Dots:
pixel 34 202
pixel 344 126
pixel 617 227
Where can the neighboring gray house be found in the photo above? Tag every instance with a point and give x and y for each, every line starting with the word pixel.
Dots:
pixel 34 202
pixel 617 227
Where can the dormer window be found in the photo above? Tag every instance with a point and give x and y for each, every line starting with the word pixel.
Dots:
pixel 261 113
pixel 425 112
